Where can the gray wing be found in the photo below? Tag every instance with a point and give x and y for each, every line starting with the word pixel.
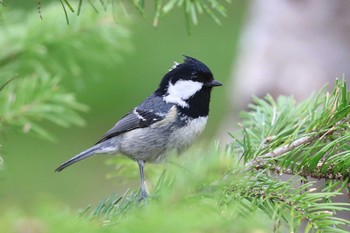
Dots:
pixel 133 120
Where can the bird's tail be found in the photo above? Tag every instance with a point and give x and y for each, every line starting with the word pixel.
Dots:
pixel 83 155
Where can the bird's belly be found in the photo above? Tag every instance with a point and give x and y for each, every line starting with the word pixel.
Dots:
pixel 151 144
pixel 144 144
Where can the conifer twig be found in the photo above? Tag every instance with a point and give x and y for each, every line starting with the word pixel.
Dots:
pixel 259 163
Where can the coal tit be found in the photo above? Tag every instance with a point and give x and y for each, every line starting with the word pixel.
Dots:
pixel 170 119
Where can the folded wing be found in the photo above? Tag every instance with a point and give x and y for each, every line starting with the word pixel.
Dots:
pixel 135 119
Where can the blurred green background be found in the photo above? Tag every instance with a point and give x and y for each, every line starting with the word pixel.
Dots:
pixel 110 91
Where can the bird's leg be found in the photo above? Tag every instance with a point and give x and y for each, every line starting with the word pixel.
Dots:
pixel 144 193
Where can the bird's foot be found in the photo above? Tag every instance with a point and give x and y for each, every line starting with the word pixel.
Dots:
pixel 144 195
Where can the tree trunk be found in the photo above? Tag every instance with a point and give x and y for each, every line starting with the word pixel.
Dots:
pixel 291 47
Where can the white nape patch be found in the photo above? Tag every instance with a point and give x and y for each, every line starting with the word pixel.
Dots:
pixel 138 115
pixel 182 90
pixel 174 66
pixel 168 119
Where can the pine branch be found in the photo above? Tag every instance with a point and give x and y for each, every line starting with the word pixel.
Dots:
pixel 260 162
pixel 309 139
pixel 98 39
pixel 42 57
pixel 287 203
pixel 45 99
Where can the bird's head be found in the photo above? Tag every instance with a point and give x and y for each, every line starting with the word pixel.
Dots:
pixel 187 82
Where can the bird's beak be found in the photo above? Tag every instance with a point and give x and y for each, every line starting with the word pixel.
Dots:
pixel 213 83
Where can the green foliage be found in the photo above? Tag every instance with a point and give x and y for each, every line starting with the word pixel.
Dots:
pixel 214 8
pixel 30 45
pixel 39 57
pixel 1 164
pixel 48 101
pixel 187 196
pixel 48 217
pixel 194 7
pixel 310 139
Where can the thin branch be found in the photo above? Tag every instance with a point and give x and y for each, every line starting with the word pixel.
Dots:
pixel 316 174
pixel 284 149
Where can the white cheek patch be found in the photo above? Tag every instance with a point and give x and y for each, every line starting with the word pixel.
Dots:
pixel 182 90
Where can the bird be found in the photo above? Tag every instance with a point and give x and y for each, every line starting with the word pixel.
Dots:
pixel 170 119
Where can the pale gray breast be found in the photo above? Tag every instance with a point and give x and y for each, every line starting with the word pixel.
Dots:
pixel 183 137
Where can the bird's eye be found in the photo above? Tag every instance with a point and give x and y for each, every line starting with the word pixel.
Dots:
pixel 194 76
